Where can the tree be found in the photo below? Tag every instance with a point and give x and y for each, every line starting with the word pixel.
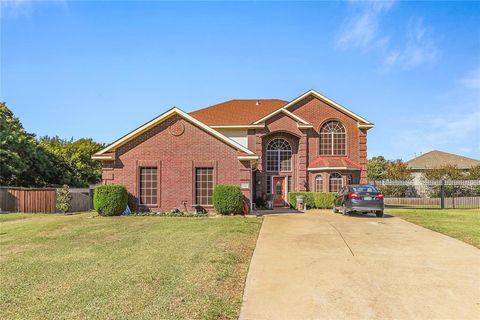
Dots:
pixel 22 161
pixel 75 159
pixel 474 173
pixel 376 168
pixel 27 162
pixel 447 172
pixel 397 170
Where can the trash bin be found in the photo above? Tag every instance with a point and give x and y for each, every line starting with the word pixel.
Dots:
pixel 300 202
pixel 269 201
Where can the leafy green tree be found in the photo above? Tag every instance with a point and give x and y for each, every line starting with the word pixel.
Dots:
pixel 448 172
pixel 27 162
pixel 376 168
pixel 474 173
pixel 23 162
pixel 397 170
pixel 74 157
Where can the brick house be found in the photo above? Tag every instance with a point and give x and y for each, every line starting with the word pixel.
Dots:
pixel 265 146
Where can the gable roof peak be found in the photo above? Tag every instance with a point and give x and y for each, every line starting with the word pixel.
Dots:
pixel 330 102
pixel 164 116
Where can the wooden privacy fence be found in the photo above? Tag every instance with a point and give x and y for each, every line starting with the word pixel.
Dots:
pixel 42 200
pixel 82 199
pixel 35 200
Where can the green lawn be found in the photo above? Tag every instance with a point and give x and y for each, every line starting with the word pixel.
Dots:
pixel 81 266
pixel 463 224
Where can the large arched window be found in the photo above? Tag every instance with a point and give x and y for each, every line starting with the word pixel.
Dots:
pixel 333 139
pixel 318 184
pixel 336 182
pixel 279 155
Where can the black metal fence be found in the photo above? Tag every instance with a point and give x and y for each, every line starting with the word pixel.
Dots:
pixel 441 194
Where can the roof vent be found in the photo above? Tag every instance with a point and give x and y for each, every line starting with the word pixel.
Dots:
pixel 258 103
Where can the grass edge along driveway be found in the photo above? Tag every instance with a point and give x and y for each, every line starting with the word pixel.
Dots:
pixel 81 266
pixel 462 224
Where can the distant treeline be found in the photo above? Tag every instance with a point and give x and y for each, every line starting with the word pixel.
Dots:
pixel 381 169
pixel 28 161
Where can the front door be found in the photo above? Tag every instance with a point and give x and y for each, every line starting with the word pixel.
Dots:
pixel 278 191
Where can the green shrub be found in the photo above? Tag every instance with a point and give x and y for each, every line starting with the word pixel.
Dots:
pixel 64 198
pixel 110 200
pixel 393 191
pixel 228 199
pixel 313 200
pixel 260 203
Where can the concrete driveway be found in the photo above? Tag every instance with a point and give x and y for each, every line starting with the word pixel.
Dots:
pixel 329 266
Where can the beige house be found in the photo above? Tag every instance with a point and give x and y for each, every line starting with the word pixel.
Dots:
pixel 437 159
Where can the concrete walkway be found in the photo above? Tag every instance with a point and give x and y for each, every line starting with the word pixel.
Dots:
pixel 329 266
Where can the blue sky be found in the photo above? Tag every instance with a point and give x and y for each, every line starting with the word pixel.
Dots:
pixel 100 69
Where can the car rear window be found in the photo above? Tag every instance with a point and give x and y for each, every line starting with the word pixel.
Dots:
pixel 364 189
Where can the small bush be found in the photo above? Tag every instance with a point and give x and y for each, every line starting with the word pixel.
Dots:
pixel 260 203
pixel 394 191
pixel 110 200
pixel 64 198
pixel 313 200
pixel 228 199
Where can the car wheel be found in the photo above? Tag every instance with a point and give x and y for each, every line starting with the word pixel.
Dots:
pixel 335 210
pixel 379 214
pixel 344 210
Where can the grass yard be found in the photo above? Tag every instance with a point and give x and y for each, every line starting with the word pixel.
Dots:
pixel 81 266
pixel 463 224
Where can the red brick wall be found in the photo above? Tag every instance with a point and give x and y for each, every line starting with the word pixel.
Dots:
pixel 306 142
pixel 318 112
pixel 176 157
pixel 279 126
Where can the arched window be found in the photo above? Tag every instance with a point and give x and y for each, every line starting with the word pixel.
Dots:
pixel 333 139
pixel 336 182
pixel 279 155
pixel 318 183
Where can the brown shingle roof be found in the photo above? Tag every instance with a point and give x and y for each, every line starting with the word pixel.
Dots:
pixel 237 112
pixel 437 159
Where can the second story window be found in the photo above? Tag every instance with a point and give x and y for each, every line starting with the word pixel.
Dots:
pixel 279 155
pixel 333 139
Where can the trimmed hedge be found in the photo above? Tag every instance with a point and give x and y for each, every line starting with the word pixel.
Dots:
pixel 313 200
pixel 228 199
pixel 110 200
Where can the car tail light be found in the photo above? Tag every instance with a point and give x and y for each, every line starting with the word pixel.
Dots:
pixel 379 196
pixel 353 195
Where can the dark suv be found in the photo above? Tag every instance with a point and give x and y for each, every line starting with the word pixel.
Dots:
pixel 359 198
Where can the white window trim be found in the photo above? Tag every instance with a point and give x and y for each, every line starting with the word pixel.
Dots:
pixel 331 137
pixel 140 188
pixel 278 155
pixel 195 187
pixel 318 177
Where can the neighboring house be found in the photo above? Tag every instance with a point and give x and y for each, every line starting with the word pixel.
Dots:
pixel 263 146
pixel 437 159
